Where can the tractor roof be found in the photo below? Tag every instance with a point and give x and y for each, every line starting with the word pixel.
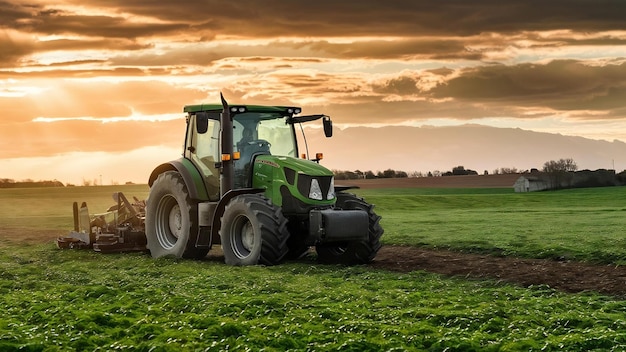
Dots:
pixel 248 108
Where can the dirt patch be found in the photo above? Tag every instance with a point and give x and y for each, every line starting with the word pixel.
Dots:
pixel 565 276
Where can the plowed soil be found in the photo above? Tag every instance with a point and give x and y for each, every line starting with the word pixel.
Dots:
pixel 565 276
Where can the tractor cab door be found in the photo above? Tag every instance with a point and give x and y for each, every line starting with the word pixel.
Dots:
pixel 248 144
pixel 203 149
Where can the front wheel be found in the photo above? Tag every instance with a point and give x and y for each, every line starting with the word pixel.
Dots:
pixel 253 231
pixel 353 252
pixel 171 219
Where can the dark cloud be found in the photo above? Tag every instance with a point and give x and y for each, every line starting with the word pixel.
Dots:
pixel 560 84
pixel 113 44
pixel 326 18
pixel 398 49
pixel 451 30
pixel 403 85
pixel 14 47
pixel 376 18
pixel 44 20
pixel 101 26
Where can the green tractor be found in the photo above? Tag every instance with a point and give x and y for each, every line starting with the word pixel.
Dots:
pixel 241 183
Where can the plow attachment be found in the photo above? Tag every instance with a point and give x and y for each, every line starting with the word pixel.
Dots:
pixel 120 229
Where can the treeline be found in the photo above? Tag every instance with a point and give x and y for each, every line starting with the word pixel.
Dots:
pixel 390 173
pixel 358 174
pixel 9 183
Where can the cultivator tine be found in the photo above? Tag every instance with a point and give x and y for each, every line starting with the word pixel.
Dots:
pixel 84 222
pixel 75 212
pixel 82 236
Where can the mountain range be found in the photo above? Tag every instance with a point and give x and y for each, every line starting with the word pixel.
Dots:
pixel 476 147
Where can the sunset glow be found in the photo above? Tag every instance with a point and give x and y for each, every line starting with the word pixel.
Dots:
pixel 88 86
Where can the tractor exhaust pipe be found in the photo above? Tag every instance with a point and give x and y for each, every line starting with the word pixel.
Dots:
pixel 227 181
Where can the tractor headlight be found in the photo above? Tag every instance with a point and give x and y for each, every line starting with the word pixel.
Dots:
pixel 316 187
pixel 315 192
pixel 331 190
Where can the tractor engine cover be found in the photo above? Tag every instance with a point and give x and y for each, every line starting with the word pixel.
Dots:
pixel 329 225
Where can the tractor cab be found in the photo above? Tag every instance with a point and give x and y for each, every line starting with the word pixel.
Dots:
pixel 256 131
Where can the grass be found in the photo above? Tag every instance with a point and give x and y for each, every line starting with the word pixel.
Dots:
pixel 79 300
pixel 576 224
pixel 56 300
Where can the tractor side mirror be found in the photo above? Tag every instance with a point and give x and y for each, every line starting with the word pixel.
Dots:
pixel 328 126
pixel 202 122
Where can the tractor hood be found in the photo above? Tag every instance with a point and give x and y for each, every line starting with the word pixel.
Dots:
pixel 287 177
pixel 301 166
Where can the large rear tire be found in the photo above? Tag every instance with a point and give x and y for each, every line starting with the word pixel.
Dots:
pixel 254 231
pixel 354 252
pixel 171 219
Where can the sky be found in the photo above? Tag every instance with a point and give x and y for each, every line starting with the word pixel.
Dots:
pixel 93 90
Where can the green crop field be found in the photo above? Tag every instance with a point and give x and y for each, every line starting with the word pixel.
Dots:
pixel 581 224
pixel 53 300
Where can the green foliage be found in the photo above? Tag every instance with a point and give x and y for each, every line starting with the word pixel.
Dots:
pixel 80 300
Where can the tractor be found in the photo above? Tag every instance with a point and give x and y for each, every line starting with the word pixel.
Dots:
pixel 242 183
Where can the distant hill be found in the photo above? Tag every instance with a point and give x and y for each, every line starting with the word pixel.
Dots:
pixel 475 147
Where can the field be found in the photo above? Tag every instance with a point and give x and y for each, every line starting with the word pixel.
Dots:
pixel 432 287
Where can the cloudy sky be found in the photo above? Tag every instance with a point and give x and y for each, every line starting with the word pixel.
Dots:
pixel 94 89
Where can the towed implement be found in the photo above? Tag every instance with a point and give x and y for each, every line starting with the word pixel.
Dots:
pixel 120 229
pixel 240 183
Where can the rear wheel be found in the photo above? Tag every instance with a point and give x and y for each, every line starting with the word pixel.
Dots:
pixel 171 219
pixel 254 231
pixel 354 252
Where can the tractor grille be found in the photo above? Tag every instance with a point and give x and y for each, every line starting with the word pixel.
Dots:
pixel 304 184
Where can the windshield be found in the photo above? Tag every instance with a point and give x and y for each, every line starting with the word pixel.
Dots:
pixel 257 134
pixel 280 136
pixel 249 128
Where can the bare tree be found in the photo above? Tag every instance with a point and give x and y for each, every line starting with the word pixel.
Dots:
pixel 561 165
pixel 559 170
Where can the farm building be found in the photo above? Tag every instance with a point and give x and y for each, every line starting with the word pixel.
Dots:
pixel 539 181
pixel 531 183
